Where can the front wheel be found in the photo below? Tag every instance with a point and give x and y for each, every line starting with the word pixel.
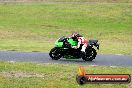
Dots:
pixel 55 53
pixel 90 55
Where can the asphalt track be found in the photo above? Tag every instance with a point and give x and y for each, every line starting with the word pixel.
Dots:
pixel 43 57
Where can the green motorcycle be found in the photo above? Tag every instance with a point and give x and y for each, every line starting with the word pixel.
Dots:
pixel 63 48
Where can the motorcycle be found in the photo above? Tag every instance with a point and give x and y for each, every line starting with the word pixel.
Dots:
pixel 63 48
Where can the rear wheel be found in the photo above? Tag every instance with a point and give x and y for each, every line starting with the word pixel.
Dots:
pixel 55 53
pixel 90 55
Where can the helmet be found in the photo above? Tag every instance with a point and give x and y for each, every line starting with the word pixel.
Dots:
pixel 74 34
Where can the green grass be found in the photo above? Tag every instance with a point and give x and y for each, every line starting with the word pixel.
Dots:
pixel 38 75
pixel 113 1
pixel 35 27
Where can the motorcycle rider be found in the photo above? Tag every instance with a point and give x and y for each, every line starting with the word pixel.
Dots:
pixel 81 40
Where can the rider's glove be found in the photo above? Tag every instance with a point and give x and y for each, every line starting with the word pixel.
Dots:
pixel 75 47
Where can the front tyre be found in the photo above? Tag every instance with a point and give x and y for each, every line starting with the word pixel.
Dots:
pixel 55 53
pixel 90 55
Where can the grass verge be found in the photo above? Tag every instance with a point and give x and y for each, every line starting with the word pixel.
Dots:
pixel 39 75
pixel 35 27
pixel 113 1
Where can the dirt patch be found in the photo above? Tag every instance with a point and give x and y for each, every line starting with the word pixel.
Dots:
pixel 20 35
pixel 21 74
pixel 45 76
pixel 64 1
pixel 50 26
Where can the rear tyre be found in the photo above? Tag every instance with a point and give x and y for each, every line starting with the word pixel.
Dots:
pixel 55 53
pixel 90 55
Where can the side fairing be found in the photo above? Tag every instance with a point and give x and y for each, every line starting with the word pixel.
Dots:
pixel 58 44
